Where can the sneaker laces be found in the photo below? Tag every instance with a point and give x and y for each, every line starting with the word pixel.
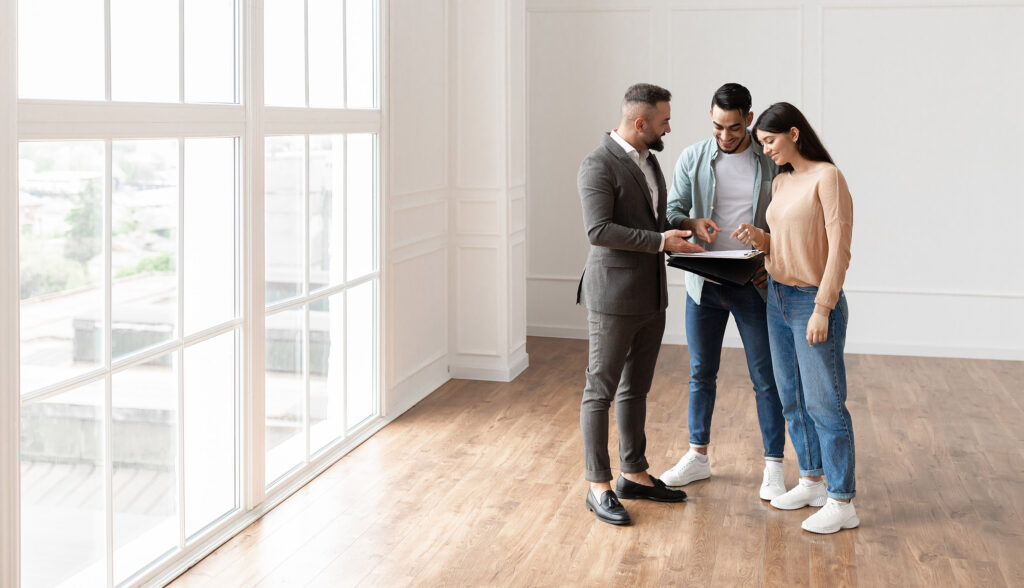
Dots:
pixel 685 461
pixel 774 476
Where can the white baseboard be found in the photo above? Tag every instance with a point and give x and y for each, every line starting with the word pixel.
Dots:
pixel 557 332
pixel 858 347
pixel 417 386
pixel 490 369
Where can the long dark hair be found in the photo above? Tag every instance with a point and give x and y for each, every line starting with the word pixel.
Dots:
pixel 782 116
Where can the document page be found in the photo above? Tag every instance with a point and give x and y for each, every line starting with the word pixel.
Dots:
pixel 734 254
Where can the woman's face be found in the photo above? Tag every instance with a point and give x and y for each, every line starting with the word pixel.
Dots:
pixel 781 147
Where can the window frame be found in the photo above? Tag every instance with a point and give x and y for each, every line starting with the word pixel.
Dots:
pixel 249 121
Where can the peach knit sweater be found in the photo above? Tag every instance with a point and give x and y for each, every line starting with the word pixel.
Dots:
pixel 811 222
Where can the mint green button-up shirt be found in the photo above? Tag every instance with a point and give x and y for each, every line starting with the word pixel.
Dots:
pixel 692 193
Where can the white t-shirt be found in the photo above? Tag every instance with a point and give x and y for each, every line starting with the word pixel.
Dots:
pixel 734 196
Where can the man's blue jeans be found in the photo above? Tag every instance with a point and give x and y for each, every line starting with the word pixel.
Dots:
pixel 705 329
pixel 812 386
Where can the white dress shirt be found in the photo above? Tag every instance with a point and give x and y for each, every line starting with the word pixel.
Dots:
pixel 641 161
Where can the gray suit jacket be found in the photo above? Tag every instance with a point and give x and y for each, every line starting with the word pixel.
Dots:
pixel 625 272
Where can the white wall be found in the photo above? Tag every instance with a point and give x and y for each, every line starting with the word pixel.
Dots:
pixel 488 256
pixel 916 104
pixel 417 202
pixel 456 199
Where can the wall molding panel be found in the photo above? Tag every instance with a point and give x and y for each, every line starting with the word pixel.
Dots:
pixel 489 273
pixel 419 192
pixel 830 59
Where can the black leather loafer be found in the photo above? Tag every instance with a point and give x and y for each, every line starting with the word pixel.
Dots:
pixel 608 509
pixel 659 492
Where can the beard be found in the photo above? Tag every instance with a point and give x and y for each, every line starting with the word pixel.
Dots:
pixel 734 149
pixel 657 145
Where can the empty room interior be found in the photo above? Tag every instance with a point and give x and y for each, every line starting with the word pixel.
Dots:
pixel 289 293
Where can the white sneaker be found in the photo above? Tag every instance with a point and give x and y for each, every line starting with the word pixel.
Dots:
pixel 802 495
pixel 772 485
pixel 835 516
pixel 689 469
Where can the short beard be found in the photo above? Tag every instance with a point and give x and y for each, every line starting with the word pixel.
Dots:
pixel 657 145
pixel 734 149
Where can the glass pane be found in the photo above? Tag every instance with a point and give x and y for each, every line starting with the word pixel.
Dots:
pixel 326 210
pixel 284 65
pixel 359 205
pixel 210 51
pixel 61 260
pixel 144 438
pixel 360 52
pixel 326 371
pixel 326 54
pixel 361 350
pixel 211 391
pixel 284 210
pixel 144 50
pixel 63 527
pixel 60 49
pixel 144 244
pixel 286 393
pixel 210 233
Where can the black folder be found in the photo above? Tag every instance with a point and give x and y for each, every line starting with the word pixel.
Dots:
pixel 732 272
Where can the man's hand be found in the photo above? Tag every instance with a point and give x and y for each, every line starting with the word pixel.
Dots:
pixel 675 240
pixel 760 279
pixel 705 228
pixel 748 234
pixel 817 329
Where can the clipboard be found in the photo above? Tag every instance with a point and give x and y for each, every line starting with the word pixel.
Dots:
pixel 731 271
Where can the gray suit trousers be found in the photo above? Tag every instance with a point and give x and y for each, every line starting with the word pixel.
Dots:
pixel 623 352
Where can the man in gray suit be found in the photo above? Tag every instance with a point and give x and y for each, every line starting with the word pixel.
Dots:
pixel 624 289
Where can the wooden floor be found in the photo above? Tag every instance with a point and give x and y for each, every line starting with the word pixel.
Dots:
pixel 481 484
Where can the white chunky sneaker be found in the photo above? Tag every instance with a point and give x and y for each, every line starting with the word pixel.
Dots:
pixel 689 469
pixel 772 485
pixel 833 517
pixel 802 495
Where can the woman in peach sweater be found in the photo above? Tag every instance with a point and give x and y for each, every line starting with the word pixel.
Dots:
pixel 807 254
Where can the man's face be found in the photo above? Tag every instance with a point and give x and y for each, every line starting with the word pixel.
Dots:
pixel 656 125
pixel 730 128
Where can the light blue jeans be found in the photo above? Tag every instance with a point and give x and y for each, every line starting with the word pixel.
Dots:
pixel 812 386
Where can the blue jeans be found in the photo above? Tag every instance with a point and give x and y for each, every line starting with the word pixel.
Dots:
pixel 812 386
pixel 705 329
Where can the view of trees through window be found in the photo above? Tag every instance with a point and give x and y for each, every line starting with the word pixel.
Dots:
pixel 133 325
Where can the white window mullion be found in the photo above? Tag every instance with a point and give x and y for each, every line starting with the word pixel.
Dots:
pixel 107 85
pixel 10 307
pixel 383 221
pixel 181 51
pixel 64 119
pixel 306 287
pixel 344 57
pixel 108 400
pixel 181 337
pixel 343 191
pixel 108 478
pixel 254 270
pixel 305 44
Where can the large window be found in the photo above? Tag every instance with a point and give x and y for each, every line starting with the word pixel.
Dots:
pixel 320 293
pixel 164 239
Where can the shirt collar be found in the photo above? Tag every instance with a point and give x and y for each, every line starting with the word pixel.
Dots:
pixel 630 150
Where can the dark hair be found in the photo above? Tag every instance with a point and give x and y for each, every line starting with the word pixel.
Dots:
pixel 782 116
pixel 647 93
pixel 732 97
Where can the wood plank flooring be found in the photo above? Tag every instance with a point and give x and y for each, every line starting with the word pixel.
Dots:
pixel 481 484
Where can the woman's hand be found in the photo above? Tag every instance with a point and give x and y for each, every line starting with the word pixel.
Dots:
pixel 748 234
pixel 817 328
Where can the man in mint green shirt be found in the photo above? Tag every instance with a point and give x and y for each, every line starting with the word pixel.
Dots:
pixel 717 184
